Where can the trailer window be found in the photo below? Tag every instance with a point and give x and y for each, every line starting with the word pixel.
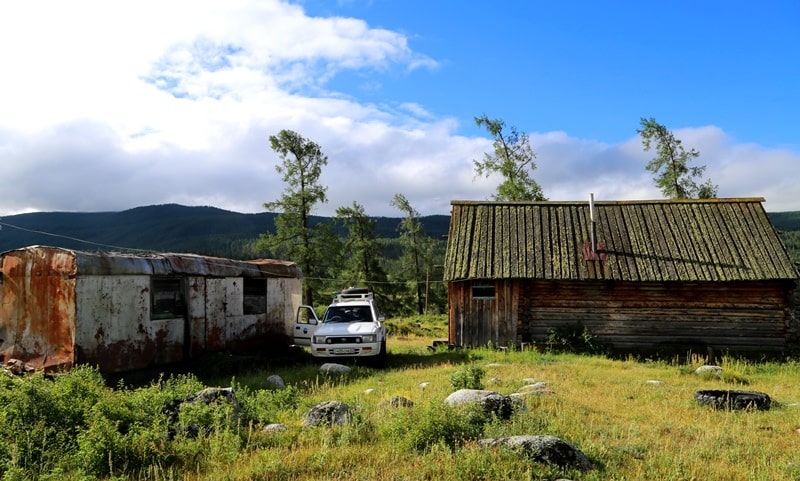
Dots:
pixel 483 292
pixel 255 296
pixel 167 298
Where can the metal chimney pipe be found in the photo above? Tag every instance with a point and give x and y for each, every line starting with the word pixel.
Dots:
pixel 593 229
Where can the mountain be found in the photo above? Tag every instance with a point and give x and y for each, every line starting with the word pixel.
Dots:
pixel 164 228
pixel 211 231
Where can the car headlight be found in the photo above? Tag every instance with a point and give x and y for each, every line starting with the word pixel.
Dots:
pixel 319 339
pixel 368 338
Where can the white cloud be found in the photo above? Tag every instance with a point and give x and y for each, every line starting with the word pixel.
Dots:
pixel 113 105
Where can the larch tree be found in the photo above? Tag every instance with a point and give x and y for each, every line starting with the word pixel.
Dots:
pixel 673 174
pixel 512 158
pixel 295 238
pixel 417 248
pixel 362 264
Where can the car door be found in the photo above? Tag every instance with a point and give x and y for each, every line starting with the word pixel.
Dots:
pixel 305 325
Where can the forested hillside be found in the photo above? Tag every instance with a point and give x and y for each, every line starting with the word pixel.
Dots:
pixel 212 231
pixel 165 228
pixel 788 226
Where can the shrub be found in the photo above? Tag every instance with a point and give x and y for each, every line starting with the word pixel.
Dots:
pixel 469 378
pixel 440 423
pixel 42 418
pixel 575 338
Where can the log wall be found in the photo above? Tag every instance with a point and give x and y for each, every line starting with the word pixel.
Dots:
pixel 631 317
pixel 642 317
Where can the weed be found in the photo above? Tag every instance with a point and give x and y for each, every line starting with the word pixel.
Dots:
pixel 575 338
pixel 469 378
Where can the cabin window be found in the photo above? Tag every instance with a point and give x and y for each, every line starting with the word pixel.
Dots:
pixel 167 298
pixel 483 292
pixel 255 296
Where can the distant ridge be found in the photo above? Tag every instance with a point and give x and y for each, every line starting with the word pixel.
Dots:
pixel 163 228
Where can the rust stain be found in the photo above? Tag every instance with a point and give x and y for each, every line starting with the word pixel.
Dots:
pixel 40 322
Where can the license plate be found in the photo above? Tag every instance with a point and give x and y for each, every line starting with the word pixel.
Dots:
pixel 344 351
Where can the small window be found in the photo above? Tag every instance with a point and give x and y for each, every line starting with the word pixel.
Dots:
pixel 167 298
pixel 255 296
pixel 483 292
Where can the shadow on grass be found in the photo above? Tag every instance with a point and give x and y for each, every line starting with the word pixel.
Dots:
pixel 295 364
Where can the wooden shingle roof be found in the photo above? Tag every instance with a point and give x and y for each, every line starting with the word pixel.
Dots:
pixel 660 240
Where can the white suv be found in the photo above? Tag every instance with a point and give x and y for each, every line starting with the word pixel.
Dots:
pixel 351 327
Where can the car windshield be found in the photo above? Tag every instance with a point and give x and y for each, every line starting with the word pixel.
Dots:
pixel 348 314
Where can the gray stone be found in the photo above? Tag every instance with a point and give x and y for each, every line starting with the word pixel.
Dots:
pixel 398 402
pixel 274 428
pixel 329 413
pixel 333 368
pixel 493 403
pixel 709 371
pixel 654 382
pixel 543 449
pixel 538 386
pixel 276 382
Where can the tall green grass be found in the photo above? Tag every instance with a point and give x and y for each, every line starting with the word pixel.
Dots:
pixel 74 426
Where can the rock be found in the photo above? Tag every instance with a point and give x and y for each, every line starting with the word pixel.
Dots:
pixel 538 386
pixel 493 403
pixel 654 382
pixel 398 402
pixel 423 385
pixel 529 380
pixel 17 367
pixel 733 399
pixel 215 394
pixel 494 364
pixel 329 413
pixel 333 368
pixel 206 396
pixel 709 371
pixel 276 382
pixel 544 449
pixel 369 391
pixel 495 381
pixel 274 428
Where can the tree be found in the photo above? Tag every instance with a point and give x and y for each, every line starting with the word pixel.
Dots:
pixel 362 264
pixel 295 238
pixel 417 249
pixel 513 158
pixel 673 175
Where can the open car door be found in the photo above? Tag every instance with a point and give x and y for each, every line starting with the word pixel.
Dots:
pixel 305 325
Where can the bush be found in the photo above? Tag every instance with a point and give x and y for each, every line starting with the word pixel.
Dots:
pixel 451 426
pixel 575 338
pixel 42 417
pixel 469 378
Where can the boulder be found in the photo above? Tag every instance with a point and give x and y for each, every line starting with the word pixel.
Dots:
pixel 276 382
pixel 328 413
pixel 709 371
pixel 274 428
pixel 493 403
pixel 543 449
pixel 333 368
pixel 398 402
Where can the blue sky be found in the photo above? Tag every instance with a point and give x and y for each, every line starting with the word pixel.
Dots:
pixel 593 69
pixel 113 105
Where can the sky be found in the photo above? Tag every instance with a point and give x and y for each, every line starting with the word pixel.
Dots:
pixel 107 106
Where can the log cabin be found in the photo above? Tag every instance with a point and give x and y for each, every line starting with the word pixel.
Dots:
pixel 643 277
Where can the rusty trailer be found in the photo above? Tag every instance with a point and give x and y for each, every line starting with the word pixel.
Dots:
pixel 121 312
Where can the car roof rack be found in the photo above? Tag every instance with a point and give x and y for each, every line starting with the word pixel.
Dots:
pixel 354 294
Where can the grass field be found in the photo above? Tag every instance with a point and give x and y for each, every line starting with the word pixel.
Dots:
pixel 630 427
